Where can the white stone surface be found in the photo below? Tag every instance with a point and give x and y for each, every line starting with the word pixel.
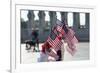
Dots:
pixel 33 57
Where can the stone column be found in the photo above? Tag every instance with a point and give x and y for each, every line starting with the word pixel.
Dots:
pixel 53 18
pixel 87 20
pixel 76 21
pixel 30 25
pixel 87 24
pixel 41 15
pixel 64 17
pixel 31 18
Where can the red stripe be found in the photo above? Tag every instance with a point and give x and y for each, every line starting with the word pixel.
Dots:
pixel 55 43
pixel 58 43
pixel 70 34
pixel 50 41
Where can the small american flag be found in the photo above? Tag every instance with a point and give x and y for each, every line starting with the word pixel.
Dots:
pixel 70 39
pixel 68 36
pixel 59 26
pixel 54 40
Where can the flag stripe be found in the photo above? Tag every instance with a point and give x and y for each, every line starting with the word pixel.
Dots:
pixel 68 37
pixel 54 43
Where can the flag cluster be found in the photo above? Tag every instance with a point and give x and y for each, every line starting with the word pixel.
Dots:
pixel 60 32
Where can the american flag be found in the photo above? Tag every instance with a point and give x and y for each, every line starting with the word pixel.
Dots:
pixel 55 41
pixel 68 36
pixel 58 26
pixel 70 39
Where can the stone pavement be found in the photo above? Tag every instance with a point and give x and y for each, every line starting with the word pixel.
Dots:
pixel 33 57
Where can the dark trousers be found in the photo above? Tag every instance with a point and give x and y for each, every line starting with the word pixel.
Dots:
pixel 59 54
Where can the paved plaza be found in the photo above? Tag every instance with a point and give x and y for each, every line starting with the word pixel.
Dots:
pixel 82 53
